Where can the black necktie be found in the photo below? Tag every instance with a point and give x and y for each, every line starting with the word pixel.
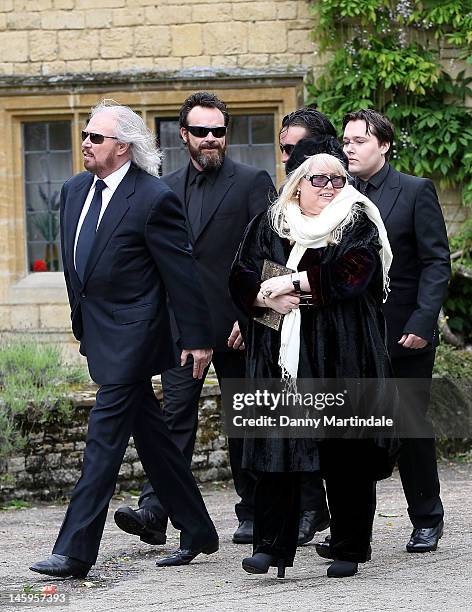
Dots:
pixel 195 204
pixel 362 186
pixel 88 230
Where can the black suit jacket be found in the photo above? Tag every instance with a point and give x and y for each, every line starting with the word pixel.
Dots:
pixel 140 254
pixel 421 266
pixel 240 193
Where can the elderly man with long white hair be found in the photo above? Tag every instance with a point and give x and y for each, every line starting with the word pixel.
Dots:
pixel 125 250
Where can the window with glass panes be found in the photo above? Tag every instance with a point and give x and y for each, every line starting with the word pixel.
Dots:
pixel 250 137
pixel 47 153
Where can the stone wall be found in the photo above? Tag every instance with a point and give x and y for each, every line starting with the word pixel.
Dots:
pixel 68 36
pixel 37 306
pixel 454 213
pixel 50 464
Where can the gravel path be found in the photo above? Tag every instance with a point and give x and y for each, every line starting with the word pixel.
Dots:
pixel 126 578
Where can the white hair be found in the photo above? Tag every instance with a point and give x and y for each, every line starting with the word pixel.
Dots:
pixel 325 163
pixel 130 128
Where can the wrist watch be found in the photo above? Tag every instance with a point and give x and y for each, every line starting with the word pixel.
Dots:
pixel 295 278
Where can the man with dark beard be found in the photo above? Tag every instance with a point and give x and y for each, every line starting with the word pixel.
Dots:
pixel 220 198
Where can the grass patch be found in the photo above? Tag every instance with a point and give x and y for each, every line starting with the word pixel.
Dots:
pixel 15 504
pixel 34 387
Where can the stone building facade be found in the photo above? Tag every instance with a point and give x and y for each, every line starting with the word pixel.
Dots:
pixel 59 57
pixel 53 37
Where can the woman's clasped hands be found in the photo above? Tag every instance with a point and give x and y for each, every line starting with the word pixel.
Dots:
pixel 278 293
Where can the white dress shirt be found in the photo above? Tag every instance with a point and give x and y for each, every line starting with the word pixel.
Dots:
pixel 111 181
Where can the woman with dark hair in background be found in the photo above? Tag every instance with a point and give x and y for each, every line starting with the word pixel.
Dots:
pixel 334 237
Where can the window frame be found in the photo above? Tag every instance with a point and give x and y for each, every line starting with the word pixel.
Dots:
pixel 21 267
pixel 159 119
pixel 48 150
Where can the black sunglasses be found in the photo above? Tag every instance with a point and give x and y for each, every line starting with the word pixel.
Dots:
pixel 321 180
pixel 95 138
pixel 202 131
pixel 288 148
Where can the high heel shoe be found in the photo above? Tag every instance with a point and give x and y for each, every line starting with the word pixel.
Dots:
pixel 281 568
pixel 259 563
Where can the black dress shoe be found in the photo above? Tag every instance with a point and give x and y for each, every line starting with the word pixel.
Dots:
pixel 312 521
pixel 324 551
pixel 183 556
pixel 61 567
pixel 142 523
pixel 244 533
pixel 341 569
pixel 425 539
pixel 259 563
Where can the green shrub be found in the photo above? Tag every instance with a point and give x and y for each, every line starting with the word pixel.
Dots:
pixel 452 363
pixel 386 55
pixel 458 307
pixel 458 303
pixel 34 383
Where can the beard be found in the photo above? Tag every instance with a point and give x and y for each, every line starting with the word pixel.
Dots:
pixel 106 165
pixel 208 156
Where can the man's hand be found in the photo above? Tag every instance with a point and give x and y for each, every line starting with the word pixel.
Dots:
pixel 201 359
pixel 235 339
pixel 412 342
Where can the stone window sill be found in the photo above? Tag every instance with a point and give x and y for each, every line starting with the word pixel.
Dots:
pixel 40 288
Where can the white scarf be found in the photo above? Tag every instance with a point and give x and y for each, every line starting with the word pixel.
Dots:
pixel 314 232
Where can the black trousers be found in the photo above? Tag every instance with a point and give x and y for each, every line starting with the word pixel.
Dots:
pixel 312 492
pixel 345 465
pixel 277 514
pixel 417 462
pixel 121 411
pixel 181 394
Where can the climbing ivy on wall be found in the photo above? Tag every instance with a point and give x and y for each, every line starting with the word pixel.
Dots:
pixel 386 55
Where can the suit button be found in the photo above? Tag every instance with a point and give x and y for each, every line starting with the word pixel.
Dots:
pixel 83 295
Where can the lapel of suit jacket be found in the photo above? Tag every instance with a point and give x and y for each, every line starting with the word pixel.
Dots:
pixel 390 193
pixel 114 213
pixel 72 212
pixel 223 182
pixel 176 182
